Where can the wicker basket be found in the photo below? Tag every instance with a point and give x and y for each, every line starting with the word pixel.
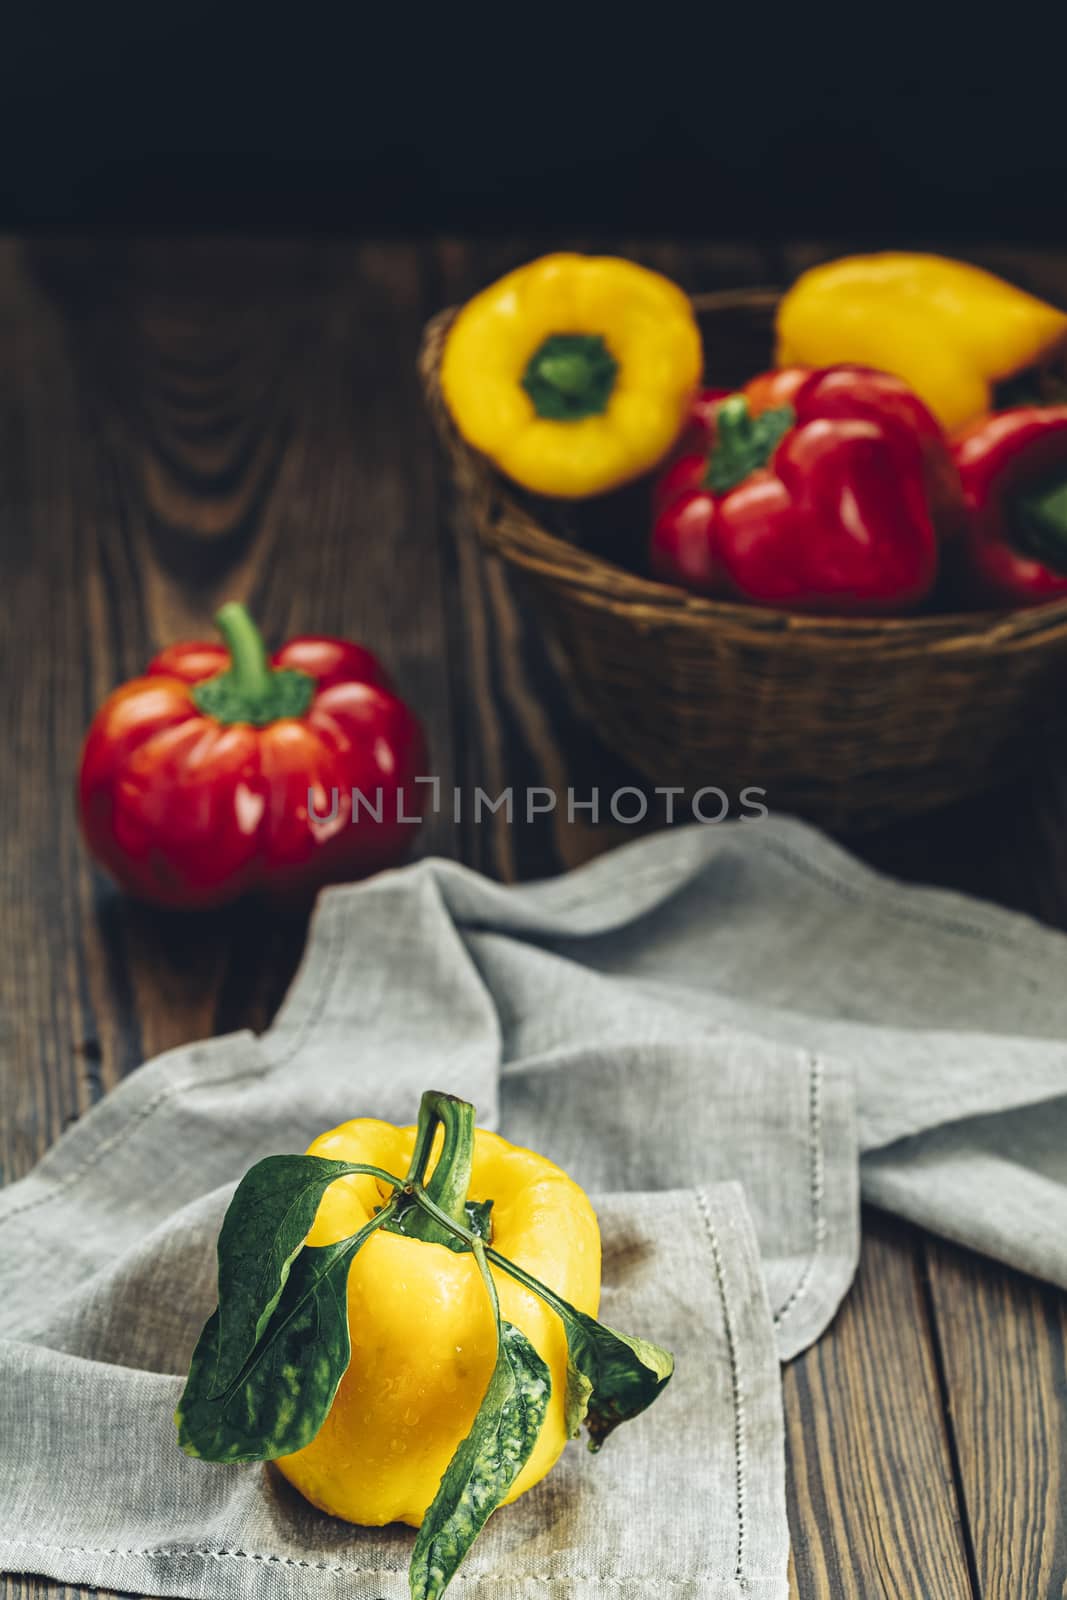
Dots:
pixel 851 722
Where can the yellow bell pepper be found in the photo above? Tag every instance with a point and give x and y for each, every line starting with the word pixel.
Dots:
pixel 573 374
pixel 423 1331
pixel 950 330
pixel 406 1326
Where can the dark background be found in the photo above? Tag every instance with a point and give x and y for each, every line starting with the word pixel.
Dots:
pixel 896 128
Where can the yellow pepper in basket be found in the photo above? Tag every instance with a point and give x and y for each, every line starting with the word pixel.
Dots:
pixel 950 330
pixel 574 373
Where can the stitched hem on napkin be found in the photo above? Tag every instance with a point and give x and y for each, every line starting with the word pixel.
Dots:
pixel 133 1570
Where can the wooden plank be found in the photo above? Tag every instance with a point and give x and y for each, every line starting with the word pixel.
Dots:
pixel 184 423
pixel 872 1504
pixel 28 1586
pixel 1003 1344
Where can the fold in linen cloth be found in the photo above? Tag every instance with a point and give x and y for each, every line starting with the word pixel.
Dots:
pixel 721 1032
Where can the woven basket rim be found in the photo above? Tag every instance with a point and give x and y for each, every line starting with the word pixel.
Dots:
pixel 519 538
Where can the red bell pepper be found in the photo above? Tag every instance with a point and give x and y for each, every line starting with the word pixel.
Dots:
pixel 695 442
pixel 1013 466
pixel 221 771
pixel 823 491
pixel 700 423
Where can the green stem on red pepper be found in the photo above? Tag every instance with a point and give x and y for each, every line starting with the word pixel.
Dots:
pixel 251 690
pixel 744 443
pixel 1013 471
pixel 1038 522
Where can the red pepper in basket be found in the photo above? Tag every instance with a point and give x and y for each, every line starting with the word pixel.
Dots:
pixel 700 423
pixel 694 444
pixel 1013 466
pixel 823 491
pixel 221 771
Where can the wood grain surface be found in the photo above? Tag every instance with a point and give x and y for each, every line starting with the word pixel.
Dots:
pixel 183 421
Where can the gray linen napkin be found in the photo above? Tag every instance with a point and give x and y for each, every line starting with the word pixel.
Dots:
pixel 716 1030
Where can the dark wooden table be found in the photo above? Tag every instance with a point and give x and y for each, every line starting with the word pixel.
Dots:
pixel 183 422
